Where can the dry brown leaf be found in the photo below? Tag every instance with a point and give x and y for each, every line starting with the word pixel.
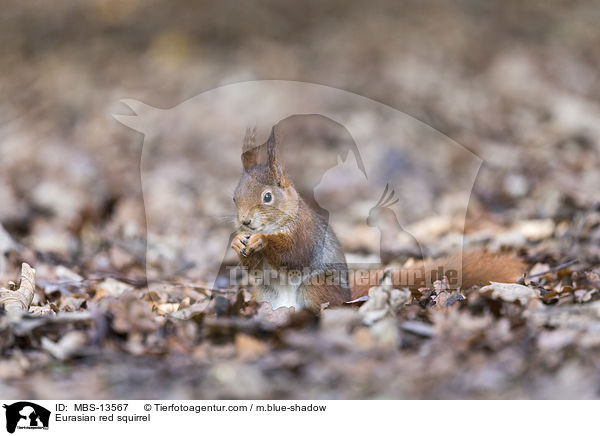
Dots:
pixel 383 301
pixel 19 300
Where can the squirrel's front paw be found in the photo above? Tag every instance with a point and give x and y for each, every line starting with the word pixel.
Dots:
pixel 239 243
pixel 255 243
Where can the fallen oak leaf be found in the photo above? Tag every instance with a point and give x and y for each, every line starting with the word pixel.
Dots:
pixel 20 299
pixel 511 292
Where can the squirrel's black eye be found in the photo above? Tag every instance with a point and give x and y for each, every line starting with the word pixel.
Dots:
pixel 268 197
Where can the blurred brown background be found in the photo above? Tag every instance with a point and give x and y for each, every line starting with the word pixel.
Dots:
pixel 516 82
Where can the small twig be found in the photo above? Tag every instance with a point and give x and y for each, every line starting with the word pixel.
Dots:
pixel 108 275
pixel 556 268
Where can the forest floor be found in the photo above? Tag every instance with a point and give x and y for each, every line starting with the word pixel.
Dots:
pixel 516 85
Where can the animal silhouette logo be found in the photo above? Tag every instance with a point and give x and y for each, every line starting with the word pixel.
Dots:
pixel 383 217
pixel 190 162
pixel 26 415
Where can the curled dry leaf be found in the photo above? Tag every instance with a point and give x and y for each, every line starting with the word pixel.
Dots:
pixel 510 292
pixel 19 300
pixel 383 300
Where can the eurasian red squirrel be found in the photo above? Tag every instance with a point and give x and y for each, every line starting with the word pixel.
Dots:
pixel 295 256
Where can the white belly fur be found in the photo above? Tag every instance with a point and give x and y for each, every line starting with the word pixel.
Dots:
pixel 286 296
pixel 278 290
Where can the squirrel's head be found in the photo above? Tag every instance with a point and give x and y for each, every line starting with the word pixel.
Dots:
pixel 265 198
pixel 382 208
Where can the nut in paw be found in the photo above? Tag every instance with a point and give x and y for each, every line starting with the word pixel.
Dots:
pixel 239 244
pixel 256 243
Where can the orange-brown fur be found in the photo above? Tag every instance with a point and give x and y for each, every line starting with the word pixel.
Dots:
pixel 285 234
pixel 476 268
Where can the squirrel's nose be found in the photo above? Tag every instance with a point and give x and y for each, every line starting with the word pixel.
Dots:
pixel 247 222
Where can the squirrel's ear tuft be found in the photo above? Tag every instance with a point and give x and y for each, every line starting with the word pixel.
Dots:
pixel 273 163
pixel 249 149
pixel 272 157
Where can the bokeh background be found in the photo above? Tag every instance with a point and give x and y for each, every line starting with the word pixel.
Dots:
pixel 515 82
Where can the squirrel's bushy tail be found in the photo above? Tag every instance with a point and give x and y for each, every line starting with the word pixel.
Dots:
pixel 479 268
pixel 471 269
